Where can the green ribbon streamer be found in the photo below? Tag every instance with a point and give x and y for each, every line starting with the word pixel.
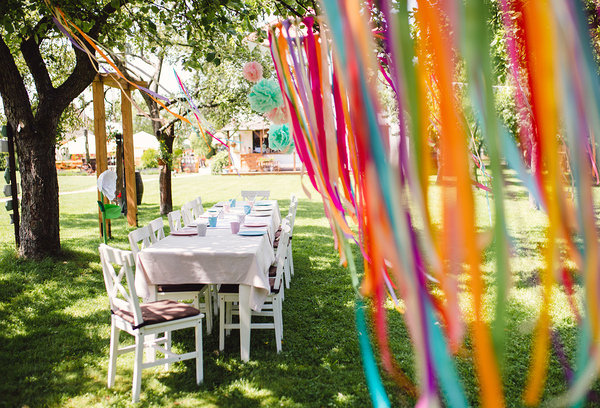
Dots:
pixel 378 396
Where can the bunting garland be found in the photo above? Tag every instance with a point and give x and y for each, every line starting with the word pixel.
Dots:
pixel 326 68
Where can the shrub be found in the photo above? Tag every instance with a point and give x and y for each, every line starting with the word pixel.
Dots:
pixel 221 160
pixel 150 159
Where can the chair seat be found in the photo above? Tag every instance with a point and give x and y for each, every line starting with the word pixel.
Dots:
pixel 276 242
pixel 229 288
pixel 272 284
pixel 187 287
pixel 159 312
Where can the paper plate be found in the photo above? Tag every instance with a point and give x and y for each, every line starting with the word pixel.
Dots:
pixel 260 214
pixel 220 203
pixel 250 233
pixel 262 203
pixel 185 232
pixel 255 224
pixel 264 209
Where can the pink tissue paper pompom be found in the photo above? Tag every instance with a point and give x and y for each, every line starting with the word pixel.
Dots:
pixel 253 71
pixel 278 115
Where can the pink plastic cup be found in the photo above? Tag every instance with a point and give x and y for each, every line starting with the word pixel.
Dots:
pixel 235 227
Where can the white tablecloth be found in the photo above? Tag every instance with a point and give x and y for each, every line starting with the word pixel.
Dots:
pixel 220 257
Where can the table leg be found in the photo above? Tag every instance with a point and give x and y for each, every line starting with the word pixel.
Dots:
pixel 245 318
pixel 151 353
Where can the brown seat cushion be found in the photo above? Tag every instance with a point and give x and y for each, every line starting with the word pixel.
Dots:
pixel 272 284
pixel 188 287
pixel 272 271
pixel 159 312
pixel 276 242
pixel 229 288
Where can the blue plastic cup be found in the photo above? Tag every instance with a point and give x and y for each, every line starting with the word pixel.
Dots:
pixel 212 221
pixel 247 209
pixel 232 202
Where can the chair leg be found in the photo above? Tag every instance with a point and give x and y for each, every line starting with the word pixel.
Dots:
pixel 208 299
pixel 168 347
pixel 227 309
pixel 199 363
pixel 214 290
pixel 114 351
pixel 290 258
pixel 278 322
pixel 222 325
pixel 137 367
pixel 286 272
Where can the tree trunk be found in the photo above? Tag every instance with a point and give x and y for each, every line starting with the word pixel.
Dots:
pixel 39 231
pixel 166 192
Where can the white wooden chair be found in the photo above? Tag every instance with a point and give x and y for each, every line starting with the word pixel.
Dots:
pixel 292 213
pixel 251 195
pixel 144 321
pixel 289 267
pixel 199 206
pixel 273 306
pixel 157 230
pixel 191 211
pixel 142 238
pixel 139 239
pixel 174 220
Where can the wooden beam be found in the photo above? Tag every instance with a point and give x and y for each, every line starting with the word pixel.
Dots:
pixel 127 121
pixel 100 134
pixel 114 81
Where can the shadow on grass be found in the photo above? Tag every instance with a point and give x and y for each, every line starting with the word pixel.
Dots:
pixel 55 327
pixel 44 340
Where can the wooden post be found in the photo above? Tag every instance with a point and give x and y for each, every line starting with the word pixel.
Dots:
pixel 100 134
pixel 127 118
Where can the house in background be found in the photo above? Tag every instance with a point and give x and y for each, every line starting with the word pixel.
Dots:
pixel 249 143
pixel 72 153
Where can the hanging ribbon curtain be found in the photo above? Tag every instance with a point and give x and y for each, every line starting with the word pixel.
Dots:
pixel 326 68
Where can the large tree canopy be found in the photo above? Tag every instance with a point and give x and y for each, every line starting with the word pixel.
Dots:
pixel 42 73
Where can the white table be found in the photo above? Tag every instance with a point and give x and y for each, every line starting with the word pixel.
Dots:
pixel 220 257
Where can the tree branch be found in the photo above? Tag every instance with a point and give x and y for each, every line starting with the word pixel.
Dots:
pixel 288 7
pixel 12 88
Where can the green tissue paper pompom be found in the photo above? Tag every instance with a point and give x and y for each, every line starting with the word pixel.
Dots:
pixel 265 96
pixel 280 139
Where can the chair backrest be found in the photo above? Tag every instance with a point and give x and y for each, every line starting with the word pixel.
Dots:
pixel 199 206
pixel 292 215
pixel 120 296
pixel 281 252
pixel 140 239
pixel 186 213
pixel 190 211
pixel 251 195
pixel 157 230
pixel 174 220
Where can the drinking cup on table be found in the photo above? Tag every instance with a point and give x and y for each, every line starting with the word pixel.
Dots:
pixel 232 202
pixel 241 218
pixel 226 207
pixel 201 229
pixel 212 221
pixel 221 214
pixel 235 227
pixel 247 209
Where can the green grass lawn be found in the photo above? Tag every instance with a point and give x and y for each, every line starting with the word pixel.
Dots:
pixel 54 318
